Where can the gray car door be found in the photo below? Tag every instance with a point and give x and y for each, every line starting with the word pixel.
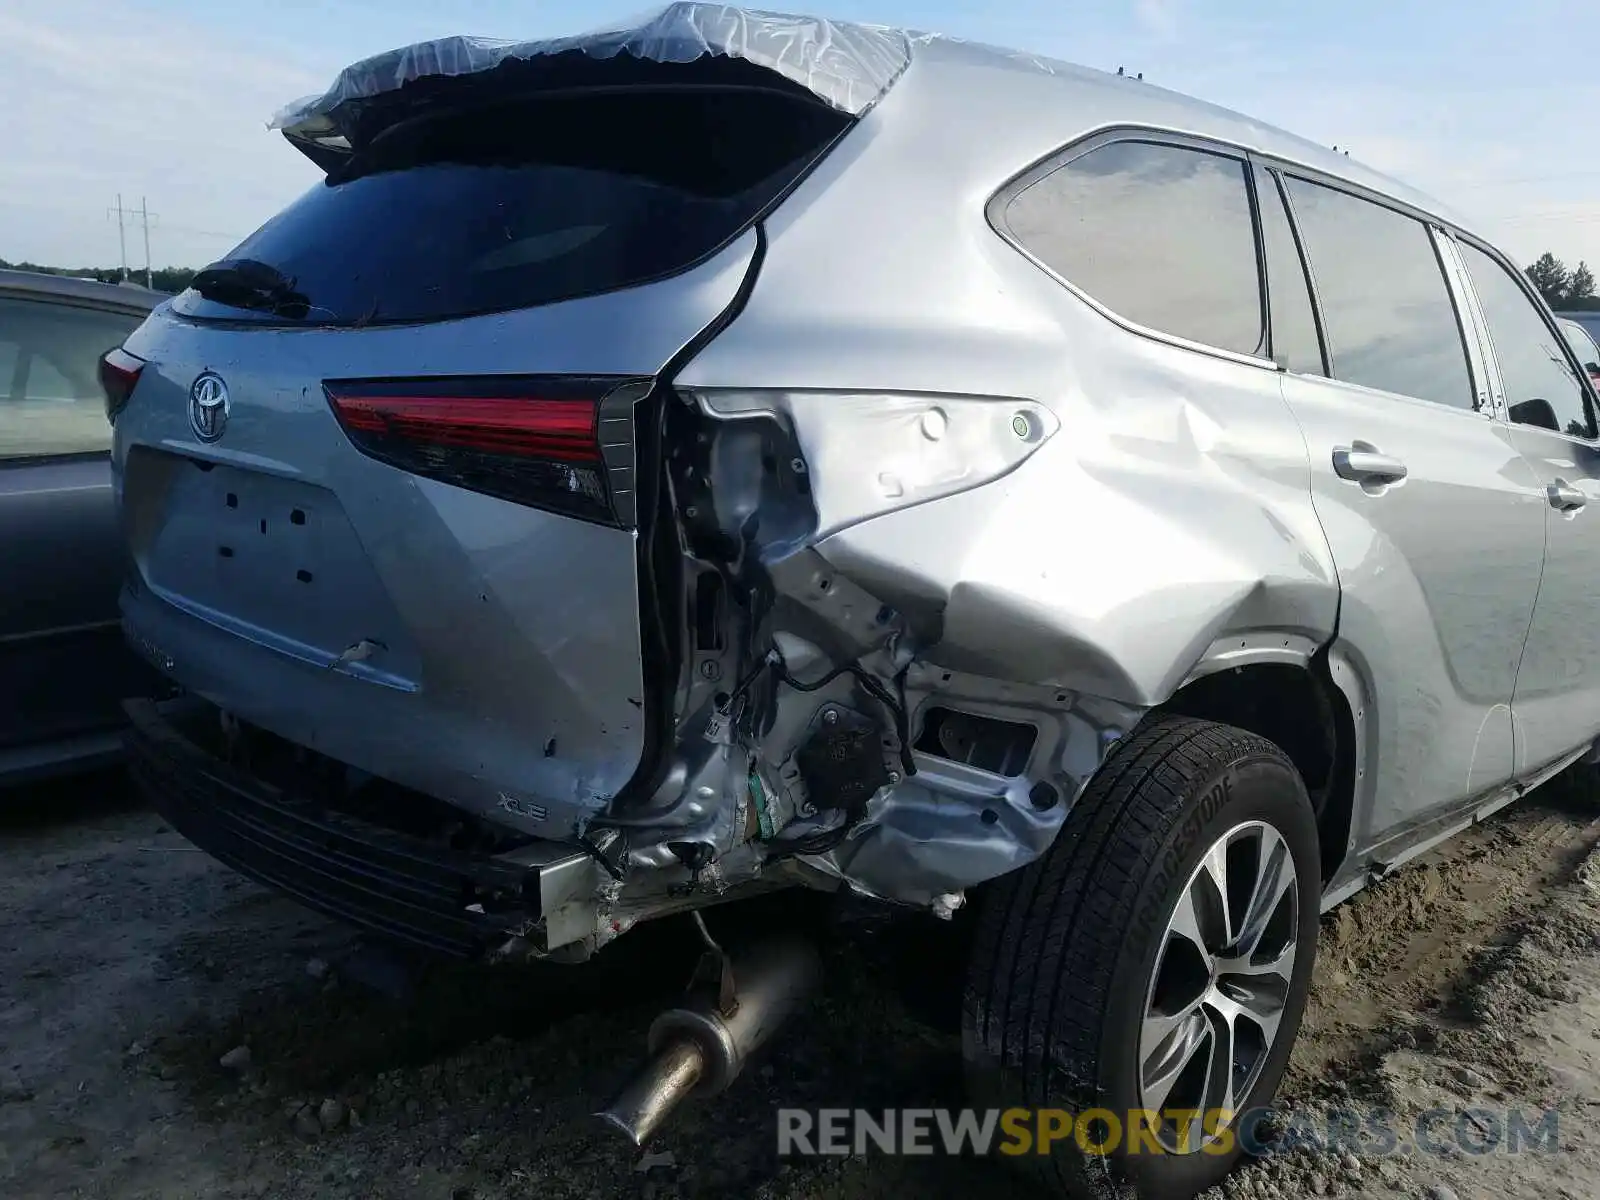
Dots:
pixel 63 667
pixel 1435 522
pixel 1551 412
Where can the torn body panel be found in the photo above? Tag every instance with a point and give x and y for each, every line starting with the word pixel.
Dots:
pixel 955 824
pixel 941 646
pixel 907 670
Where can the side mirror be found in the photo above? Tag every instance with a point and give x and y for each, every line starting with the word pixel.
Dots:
pixel 1537 412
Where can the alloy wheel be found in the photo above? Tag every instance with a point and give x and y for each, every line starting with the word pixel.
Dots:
pixel 1221 980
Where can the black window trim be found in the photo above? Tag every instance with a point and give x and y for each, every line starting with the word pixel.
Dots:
pixel 1586 386
pixel 994 211
pixel 1466 324
pixel 1262 174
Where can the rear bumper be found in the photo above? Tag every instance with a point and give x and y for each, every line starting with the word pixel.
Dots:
pixel 398 887
pixel 486 756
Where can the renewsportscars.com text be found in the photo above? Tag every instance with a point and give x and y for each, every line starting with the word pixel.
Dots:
pixel 1100 1131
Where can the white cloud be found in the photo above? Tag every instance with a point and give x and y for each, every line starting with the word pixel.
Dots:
pixel 102 100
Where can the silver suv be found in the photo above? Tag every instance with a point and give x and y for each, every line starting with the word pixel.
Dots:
pixel 737 453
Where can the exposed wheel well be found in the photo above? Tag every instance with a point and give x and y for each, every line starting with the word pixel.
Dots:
pixel 1300 710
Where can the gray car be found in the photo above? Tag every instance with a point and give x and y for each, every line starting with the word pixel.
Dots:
pixel 64 666
pixel 739 453
pixel 1583 346
pixel 1588 320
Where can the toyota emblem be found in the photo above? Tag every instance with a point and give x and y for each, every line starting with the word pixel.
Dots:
pixel 208 407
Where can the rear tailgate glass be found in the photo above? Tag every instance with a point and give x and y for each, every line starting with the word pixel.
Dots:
pixel 524 201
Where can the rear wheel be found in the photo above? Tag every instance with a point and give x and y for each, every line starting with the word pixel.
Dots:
pixel 1157 959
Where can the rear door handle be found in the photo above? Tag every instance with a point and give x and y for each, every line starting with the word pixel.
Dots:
pixel 1564 497
pixel 1362 462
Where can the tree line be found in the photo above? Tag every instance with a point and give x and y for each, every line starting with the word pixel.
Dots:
pixel 167 279
pixel 1561 288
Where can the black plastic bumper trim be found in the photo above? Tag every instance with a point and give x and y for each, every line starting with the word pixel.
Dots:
pixel 397 887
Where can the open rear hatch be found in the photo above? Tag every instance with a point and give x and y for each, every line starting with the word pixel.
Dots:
pixel 388 474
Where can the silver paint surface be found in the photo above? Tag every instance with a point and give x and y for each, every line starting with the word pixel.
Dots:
pixel 509 679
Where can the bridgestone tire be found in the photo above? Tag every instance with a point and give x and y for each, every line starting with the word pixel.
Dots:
pixel 1065 950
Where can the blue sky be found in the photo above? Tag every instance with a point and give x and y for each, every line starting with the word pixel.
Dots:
pixel 1493 105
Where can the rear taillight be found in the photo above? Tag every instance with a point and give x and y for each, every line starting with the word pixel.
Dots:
pixel 119 372
pixel 559 443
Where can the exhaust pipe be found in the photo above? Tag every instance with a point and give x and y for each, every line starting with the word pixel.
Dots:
pixel 700 1048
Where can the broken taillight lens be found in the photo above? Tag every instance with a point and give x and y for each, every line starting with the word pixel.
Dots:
pixel 119 373
pixel 532 440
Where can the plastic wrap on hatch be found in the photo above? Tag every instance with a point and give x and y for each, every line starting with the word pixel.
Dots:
pixel 845 64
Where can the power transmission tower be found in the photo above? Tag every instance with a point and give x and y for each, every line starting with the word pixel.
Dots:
pixel 144 217
pixel 122 235
pixel 124 216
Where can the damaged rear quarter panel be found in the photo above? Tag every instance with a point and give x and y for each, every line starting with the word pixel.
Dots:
pixel 1113 559
pixel 1165 520
pixel 1171 510
pixel 1168 514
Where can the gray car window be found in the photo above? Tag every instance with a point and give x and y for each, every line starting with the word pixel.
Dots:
pixel 1161 235
pixel 1541 388
pixel 1582 344
pixel 1389 319
pixel 1294 327
pixel 50 398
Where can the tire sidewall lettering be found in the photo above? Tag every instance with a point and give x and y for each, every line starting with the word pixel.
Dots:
pixel 1149 918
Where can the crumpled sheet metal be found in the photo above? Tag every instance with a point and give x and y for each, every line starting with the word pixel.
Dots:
pixel 848 65
pixel 949 827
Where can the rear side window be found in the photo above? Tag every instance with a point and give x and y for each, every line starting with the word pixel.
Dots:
pixel 1389 320
pixel 1541 389
pixel 1294 326
pixel 529 201
pixel 50 397
pixel 1161 235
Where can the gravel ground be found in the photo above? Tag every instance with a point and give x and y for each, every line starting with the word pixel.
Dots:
pixel 168 1029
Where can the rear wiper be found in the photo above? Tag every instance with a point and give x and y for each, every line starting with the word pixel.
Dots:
pixel 246 283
